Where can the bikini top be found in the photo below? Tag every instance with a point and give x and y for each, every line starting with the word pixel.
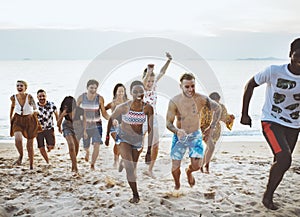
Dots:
pixel 26 109
pixel 135 117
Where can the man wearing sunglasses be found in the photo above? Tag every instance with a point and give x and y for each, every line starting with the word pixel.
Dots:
pixel 280 115
pixel 186 108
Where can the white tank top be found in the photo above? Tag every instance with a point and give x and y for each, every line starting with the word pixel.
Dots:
pixel 25 110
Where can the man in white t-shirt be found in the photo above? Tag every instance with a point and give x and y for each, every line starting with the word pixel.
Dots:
pixel 280 115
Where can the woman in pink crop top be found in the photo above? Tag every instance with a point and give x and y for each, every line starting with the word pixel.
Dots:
pixel 134 114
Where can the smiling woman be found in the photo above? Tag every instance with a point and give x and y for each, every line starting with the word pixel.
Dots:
pixel 134 114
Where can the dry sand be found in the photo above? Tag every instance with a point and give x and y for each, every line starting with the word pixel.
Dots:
pixel 239 173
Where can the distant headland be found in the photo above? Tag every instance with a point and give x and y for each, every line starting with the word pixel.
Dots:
pixel 263 58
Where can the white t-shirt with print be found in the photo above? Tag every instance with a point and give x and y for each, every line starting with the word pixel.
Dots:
pixel 282 100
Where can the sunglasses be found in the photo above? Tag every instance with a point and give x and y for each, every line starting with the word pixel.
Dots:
pixel 189 86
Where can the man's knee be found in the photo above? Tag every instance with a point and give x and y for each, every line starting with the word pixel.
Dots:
pixel 284 160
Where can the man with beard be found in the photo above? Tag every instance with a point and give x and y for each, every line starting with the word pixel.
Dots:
pixel 46 111
pixel 186 108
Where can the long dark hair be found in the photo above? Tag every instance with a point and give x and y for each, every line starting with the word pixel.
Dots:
pixel 116 89
pixel 70 103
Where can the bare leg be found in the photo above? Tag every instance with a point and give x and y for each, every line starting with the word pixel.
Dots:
pixel 72 152
pixel 194 166
pixel 279 167
pixel 87 154
pixel 19 146
pixel 95 154
pixel 30 152
pixel 44 154
pixel 116 150
pixel 176 173
pixel 154 153
pixel 76 143
pixel 130 158
pixel 208 155
pixel 116 155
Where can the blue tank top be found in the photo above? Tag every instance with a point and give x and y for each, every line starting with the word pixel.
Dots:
pixel 92 110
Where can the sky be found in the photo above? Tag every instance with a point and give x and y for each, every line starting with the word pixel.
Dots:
pixel 255 28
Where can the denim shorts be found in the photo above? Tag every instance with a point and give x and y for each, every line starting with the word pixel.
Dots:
pixel 94 134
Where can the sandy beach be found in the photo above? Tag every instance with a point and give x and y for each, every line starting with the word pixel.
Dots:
pixel 234 187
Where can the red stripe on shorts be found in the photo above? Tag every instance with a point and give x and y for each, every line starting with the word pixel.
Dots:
pixel 272 139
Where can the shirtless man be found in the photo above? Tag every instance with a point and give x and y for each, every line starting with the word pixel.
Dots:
pixel 23 121
pixel 92 103
pixel 186 107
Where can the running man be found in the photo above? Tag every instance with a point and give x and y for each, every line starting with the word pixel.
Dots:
pixel 186 108
pixel 280 115
pixel 46 110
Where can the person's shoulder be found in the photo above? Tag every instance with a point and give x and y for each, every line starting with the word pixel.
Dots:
pixel 177 97
pixel 200 96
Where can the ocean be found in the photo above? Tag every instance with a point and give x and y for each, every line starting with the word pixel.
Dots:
pixel 61 78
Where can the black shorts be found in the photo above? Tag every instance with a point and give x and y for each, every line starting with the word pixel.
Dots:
pixel 47 135
pixel 280 138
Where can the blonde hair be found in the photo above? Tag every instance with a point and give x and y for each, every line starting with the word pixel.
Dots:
pixel 23 82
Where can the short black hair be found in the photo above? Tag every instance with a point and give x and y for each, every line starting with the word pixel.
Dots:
pixel 134 83
pixel 40 91
pixel 295 45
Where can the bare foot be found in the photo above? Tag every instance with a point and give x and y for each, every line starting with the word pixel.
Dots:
pixel 18 162
pixel 74 169
pixel 121 166
pixel 205 169
pixel 268 203
pixel 148 158
pixel 87 155
pixel 149 173
pixel 134 200
pixel 177 187
pixel 92 167
pixel 116 163
pixel 191 179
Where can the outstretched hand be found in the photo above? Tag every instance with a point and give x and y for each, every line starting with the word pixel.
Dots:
pixel 246 120
pixel 168 55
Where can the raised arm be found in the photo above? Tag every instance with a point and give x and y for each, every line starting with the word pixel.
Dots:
pixel 248 92
pixel 149 113
pixel 164 68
